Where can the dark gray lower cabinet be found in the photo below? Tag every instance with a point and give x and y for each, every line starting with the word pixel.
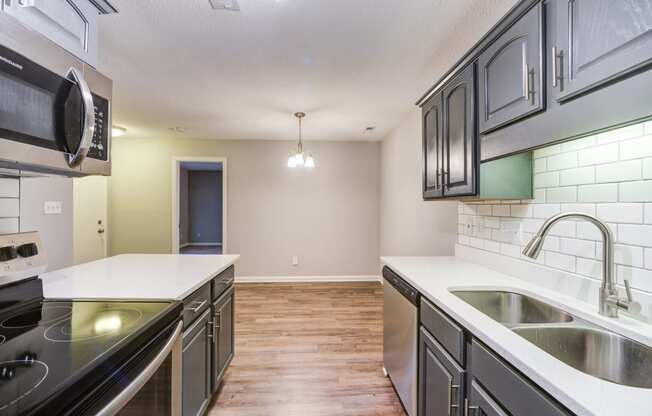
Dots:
pixel 480 403
pixel 441 379
pixel 223 336
pixel 196 366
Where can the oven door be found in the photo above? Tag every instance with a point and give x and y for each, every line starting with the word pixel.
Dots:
pixel 53 115
pixel 148 384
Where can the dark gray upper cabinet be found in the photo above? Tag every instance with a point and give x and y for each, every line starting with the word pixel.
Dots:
pixel 441 379
pixel 510 79
pixel 459 134
pixel 598 41
pixel 223 336
pixel 432 124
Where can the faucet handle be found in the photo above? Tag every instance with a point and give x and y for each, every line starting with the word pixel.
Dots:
pixel 628 290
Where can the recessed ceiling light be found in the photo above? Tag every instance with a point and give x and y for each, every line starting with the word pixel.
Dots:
pixel 178 129
pixel 231 5
pixel 117 131
pixel 369 129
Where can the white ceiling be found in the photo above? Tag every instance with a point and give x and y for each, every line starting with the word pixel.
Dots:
pixel 348 64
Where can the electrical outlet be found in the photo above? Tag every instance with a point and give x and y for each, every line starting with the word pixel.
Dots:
pixel 295 260
pixel 52 207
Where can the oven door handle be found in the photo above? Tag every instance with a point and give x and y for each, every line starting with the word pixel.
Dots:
pixel 88 130
pixel 122 399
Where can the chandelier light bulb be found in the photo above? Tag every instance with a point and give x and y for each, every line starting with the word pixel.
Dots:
pixel 292 163
pixel 298 158
pixel 310 162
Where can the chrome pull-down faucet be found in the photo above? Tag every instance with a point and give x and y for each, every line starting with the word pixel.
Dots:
pixel 610 301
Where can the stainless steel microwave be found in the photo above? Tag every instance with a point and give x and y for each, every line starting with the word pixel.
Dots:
pixel 55 110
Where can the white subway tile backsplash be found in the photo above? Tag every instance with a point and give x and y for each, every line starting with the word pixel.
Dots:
pixel 624 133
pixel 579 248
pixel 647 169
pixel 500 210
pixel 562 161
pixel 578 144
pixel 9 207
pixel 587 267
pixel 621 171
pixel 9 188
pixel 640 235
pixel 636 148
pixel 547 151
pixel 628 255
pixel 608 175
pixel 638 191
pixel 599 154
pixel 627 213
pixel 545 210
pixel 546 180
pixel 639 278
pixel 560 261
pixel 521 211
pixel 578 176
pixel 604 192
pixel 562 194
pixel 8 225
pixel 585 208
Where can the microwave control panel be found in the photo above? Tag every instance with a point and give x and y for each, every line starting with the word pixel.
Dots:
pixel 100 145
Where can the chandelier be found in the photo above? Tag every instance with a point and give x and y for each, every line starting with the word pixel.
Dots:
pixel 298 158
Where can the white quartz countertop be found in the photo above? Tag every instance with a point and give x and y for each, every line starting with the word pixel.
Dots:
pixel 584 395
pixel 136 276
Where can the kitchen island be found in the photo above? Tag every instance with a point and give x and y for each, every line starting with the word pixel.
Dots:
pixel 136 276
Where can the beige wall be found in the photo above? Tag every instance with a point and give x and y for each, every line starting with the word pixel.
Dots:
pixel 410 226
pixel 328 216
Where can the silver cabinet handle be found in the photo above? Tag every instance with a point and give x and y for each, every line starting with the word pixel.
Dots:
pixel 88 128
pixel 556 67
pixel 526 81
pixel 468 409
pixel 451 405
pixel 119 401
pixel 198 307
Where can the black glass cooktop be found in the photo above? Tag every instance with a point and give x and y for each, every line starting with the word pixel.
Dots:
pixel 50 348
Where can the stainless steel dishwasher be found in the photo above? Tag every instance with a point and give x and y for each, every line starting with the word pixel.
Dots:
pixel 400 329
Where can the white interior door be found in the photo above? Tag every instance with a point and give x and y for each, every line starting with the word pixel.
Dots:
pixel 90 196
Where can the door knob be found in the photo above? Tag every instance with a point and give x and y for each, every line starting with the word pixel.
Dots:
pixel 100 231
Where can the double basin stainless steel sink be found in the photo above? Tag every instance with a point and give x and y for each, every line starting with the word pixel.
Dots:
pixel 578 343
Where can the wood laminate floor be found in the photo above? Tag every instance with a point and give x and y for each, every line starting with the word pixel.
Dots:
pixel 307 349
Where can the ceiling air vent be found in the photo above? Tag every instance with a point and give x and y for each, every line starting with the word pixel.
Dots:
pixel 225 5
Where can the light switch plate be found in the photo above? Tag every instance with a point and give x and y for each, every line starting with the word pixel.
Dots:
pixel 295 260
pixel 52 207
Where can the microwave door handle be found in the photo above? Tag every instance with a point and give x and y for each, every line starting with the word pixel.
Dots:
pixel 89 118
pixel 122 399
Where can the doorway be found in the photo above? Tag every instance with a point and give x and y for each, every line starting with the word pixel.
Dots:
pixel 90 231
pixel 199 205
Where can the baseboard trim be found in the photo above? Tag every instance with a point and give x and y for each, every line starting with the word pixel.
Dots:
pixel 204 244
pixel 306 279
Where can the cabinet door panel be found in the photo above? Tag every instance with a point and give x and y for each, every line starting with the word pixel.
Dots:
pixel 459 134
pixel 432 147
pixel 441 379
pixel 196 367
pixel 72 24
pixel 223 336
pixel 510 73
pixel 480 403
pixel 601 40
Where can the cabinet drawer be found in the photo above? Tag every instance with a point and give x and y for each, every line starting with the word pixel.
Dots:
pixel 514 392
pixel 448 333
pixel 195 304
pixel 222 282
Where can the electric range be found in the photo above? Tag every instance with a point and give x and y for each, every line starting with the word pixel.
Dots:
pixel 82 357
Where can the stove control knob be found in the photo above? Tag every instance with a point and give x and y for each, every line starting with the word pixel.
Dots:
pixel 8 253
pixel 7 372
pixel 27 250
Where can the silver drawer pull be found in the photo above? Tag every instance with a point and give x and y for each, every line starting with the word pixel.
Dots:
pixel 452 407
pixel 469 409
pixel 196 308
